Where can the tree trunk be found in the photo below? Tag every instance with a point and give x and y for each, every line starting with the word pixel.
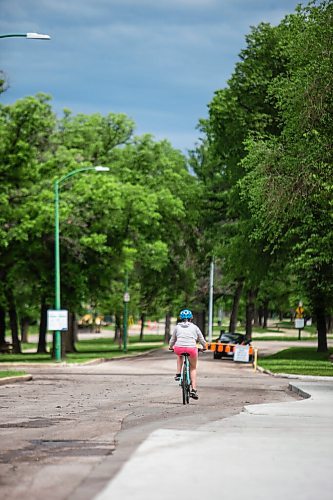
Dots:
pixel 235 307
pixel 258 317
pixel 167 328
pixel 329 323
pixel 13 323
pixel 42 347
pixel 143 317
pixel 118 330
pixel 250 307
pixel 321 327
pixel 96 325
pixel 24 327
pixel 199 318
pixel 71 335
pixel 2 326
pixel 266 312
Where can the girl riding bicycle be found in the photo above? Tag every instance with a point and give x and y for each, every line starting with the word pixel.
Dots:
pixel 184 339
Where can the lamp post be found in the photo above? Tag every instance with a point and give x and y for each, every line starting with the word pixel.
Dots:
pixel 126 301
pixel 31 36
pixel 211 298
pixel 57 304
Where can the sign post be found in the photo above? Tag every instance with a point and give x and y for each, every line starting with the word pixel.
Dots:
pixel 299 319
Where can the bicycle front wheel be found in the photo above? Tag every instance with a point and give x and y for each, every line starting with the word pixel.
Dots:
pixel 187 393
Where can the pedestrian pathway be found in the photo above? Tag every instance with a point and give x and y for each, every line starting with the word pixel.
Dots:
pixel 280 450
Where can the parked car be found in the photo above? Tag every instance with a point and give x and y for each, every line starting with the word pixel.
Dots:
pixel 226 338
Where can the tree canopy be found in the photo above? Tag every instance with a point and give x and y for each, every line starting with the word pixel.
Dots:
pixel 266 161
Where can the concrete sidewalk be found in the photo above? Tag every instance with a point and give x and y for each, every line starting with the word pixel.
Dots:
pixel 269 451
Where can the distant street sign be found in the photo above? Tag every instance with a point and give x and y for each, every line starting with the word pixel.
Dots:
pixel 299 312
pixel 126 297
pixel 299 323
pixel 57 320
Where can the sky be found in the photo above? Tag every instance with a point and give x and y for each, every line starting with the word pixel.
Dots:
pixel 157 61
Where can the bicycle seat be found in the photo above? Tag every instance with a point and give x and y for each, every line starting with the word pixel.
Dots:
pixel 185 354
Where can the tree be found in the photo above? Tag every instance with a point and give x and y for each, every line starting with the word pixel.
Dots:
pixel 3 82
pixel 241 110
pixel 25 129
pixel 289 180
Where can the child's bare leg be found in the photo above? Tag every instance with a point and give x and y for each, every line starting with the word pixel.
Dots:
pixel 179 364
pixel 193 372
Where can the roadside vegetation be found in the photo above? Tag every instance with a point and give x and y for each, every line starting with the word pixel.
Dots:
pixel 88 350
pixel 299 361
pixel 11 373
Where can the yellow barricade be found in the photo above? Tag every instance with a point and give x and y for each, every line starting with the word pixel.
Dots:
pixel 229 348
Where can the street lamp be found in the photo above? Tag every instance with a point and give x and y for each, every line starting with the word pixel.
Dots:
pixel 211 299
pixel 32 36
pixel 57 184
pixel 126 301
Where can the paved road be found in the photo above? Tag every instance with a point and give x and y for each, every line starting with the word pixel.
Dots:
pixel 270 451
pixel 68 431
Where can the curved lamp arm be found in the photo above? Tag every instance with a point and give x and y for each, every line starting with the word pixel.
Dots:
pixel 31 36
pixel 78 170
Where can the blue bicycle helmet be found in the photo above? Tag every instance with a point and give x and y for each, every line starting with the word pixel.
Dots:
pixel 185 314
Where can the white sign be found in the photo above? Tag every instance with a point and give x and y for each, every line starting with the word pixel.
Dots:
pixel 242 353
pixel 299 323
pixel 57 320
pixel 126 297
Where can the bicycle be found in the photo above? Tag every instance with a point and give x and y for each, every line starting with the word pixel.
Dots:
pixel 185 379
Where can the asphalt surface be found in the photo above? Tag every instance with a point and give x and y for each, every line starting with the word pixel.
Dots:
pixel 72 429
pixel 270 451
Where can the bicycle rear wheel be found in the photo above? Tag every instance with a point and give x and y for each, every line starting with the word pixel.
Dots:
pixel 187 393
pixel 184 384
pixel 186 387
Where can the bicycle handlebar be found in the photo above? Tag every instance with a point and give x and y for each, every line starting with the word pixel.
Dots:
pixel 199 349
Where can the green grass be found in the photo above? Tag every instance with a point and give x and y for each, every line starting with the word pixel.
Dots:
pixel 11 373
pixel 90 349
pixel 25 358
pixel 282 338
pixel 299 361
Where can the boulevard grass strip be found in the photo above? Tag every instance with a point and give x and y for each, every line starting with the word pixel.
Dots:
pixel 108 349
pixel 11 373
pixel 25 358
pixel 90 349
pixel 282 338
pixel 299 361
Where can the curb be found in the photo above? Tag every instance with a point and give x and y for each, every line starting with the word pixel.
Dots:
pixel 291 386
pixel 293 376
pixel 300 392
pixel 14 379
pixel 32 365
